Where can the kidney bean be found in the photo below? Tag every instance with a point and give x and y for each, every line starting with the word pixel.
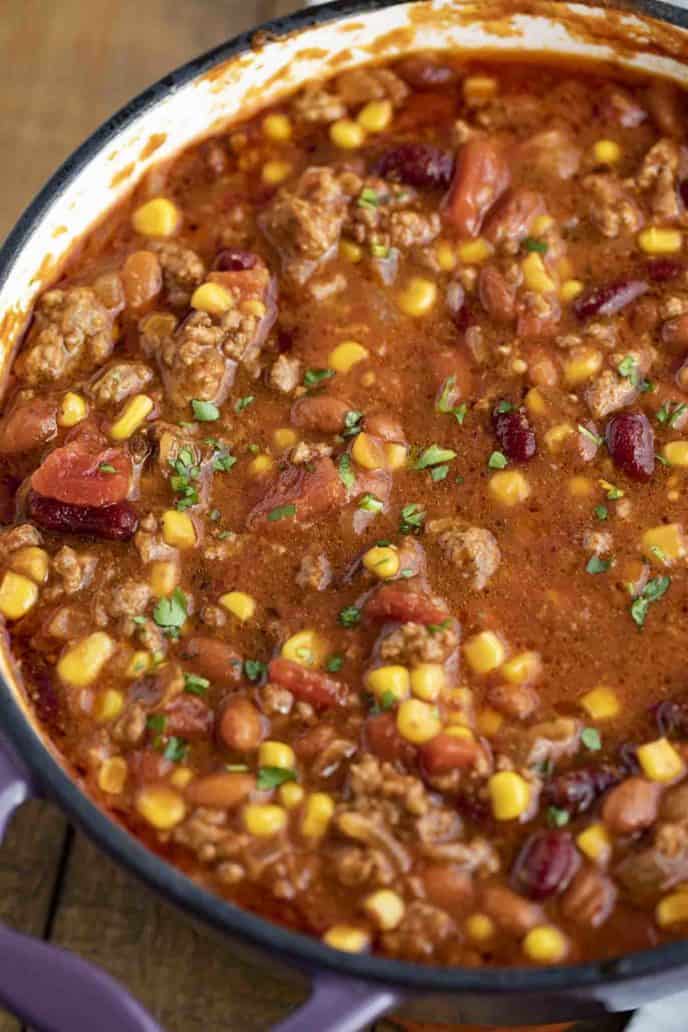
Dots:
pixel 445 753
pixel 141 278
pixel 660 270
pixel 515 435
pixel 447 886
pixel 497 297
pixel 28 425
pixel 631 444
pixel 234 260
pixel 545 865
pixel 631 806
pixel 382 738
pixel 512 218
pixel 608 299
pixel 320 412
pixel 213 659
pixel 577 790
pixel 384 426
pixel 117 522
pixel 223 791
pixel 589 899
pixel 314 741
pixel 425 73
pixel 481 176
pixel 393 603
pixel 417 164
pixel 513 914
pixel 189 717
pixel 306 685
pixel 241 725
pixel 514 700
pixel 8 490
pixel 672 718
pixel 674 804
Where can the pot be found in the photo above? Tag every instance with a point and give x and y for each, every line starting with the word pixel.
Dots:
pixel 348 991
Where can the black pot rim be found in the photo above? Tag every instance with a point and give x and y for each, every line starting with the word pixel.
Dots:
pixel 295 949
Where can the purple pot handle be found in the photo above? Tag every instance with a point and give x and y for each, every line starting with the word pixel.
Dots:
pixel 49 988
pixel 339 1004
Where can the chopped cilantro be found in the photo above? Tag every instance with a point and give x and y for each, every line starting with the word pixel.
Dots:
pixel 214 515
pixel 412 519
pixel 313 377
pixel 658 553
pixel 591 435
pixel 106 467
pixel 350 616
pixel 368 198
pixel 460 412
pixel 557 818
pixel 387 700
pixel 497 460
pixel 590 737
pixel 346 474
pixel 223 461
pixel 439 472
pixel 170 613
pixel 661 460
pixel 504 406
pixel 140 620
pixel 204 411
pixel 243 403
pixel 669 416
pixel 254 669
pixel 379 250
pixel 334 663
pixel 530 244
pixel 156 722
pixel 437 628
pixel 613 492
pixel 176 749
pixel 433 456
pixel 352 423
pixel 194 684
pixel 444 402
pixel 273 777
pixel 184 472
pixel 602 512
pixel 597 565
pixel 371 503
pixel 282 512
pixel 652 592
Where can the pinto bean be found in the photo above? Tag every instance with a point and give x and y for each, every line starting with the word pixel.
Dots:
pixel 511 220
pixel 320 412
pixel 497 297
pixel 447 886
pixel 28 425
pixel 674 805
pixel 445 753
pixel 221 791
pixel 213 659
pixel 631 806
pixel 384 426
pixel 589 899
pixel 141 278
pixel 392 603
pixel 514 914
pixel 481 176
pixel 305 685
pixel 241 727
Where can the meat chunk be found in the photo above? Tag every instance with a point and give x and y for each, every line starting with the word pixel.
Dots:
pixel 300 495
pixel 659 867
pixel 589 899
pixel 315 104
pixel 414 643
pixel 19 537
pixel 472 550
pixel 118 382
pixel 659 176
pixel 72 329
pixel 304 221
pixel 129 598
pixel 423 928
pixel 393 219
pixel 552 154
pixel 315 572
pixel 75 570
pixel 611 209
pixel 182 271
pixel 359 85
pixel 609 393
pixel 285 374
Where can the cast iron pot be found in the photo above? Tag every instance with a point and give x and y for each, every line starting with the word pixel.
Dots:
pixel 52 989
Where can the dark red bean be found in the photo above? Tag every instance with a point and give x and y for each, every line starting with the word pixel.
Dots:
pixel 609 299
pixel 8 490
pixel 672 718
pixel 631 443
pixel 546 864
pixel 515 434
pixel 189 717
pixel 659 270
pixel 233 260
pixel 628 758
pixel 117 522
pixel 417 164
pixel 577 790
pixel 306 685
pixel 393 603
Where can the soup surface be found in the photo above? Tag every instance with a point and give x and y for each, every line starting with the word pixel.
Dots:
pixel 343 481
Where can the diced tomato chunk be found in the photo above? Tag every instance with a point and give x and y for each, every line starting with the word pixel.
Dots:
pixel 306 685
pixel 84 471
pixel 299 494
pixel 382 738
pixel 481 176
pixel 393 603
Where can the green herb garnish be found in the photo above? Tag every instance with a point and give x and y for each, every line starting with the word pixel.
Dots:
pixel 204 411
pixel 313 377
pixel 439 472
pixel 595 438
pixel 171 612
pixel 497 460
pixel 652 592
pixel 254 669
pixel 602 512
pixel 433 456
pixel 412 519
pixel 106 467
pixel 282 512
pixel 350 616
pixel 334 664
pixel 346 473
pixel 371 503
pixel 176 749
pixel 557 818
pixel 352 423
pixel 597 565
pixel 243 403
pixel 273 777
pixel 530 244
pixel 590 737
pixel 194 684
pixel 368 198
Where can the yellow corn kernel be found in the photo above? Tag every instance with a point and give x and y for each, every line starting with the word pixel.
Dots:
pixel 375 116
pixel 459 731
pixel 660 760
pixel 73 408
pixel 535 275
pixel 580 487
pixel 347 938
pixel 276 754
pixel 156 218
pixel 133 415
pixel 606 152
pixel 368 378
pixel 306 647
pixel 600 703
pixel 385 907
pixel 654 240
pixel 382 561
pixel 519 366
pixel 164 577
pixel 522 668
pixel 541 223
pixel 584 363
pixel 284 437
pixel 535 403
pixel 32 561
pixel 489 721
pixel 161 806
pixel 275 171
pixel 252 306
pixel 212 298
pixel 290 794
pixel 108 705
pixel 417 721
pixel 317 815
pixel 181 777
pixel 446 256
pixel 396 454
pixel 418 296
pixel 389 680
pixel 509 795
pixel 178 529
pixel 139 664
pixel 346 355
pixel 509 487
pixel 479 927
pixel 594 842
pixel 276 127
pixel 350 251
pixel 264 819
pixel 347 134
pixel 239 604
pixel 556 435
pixel 428 681
pixel 112 775
pixel 473 252
pixel 81 663
pixel 484 652
pixel 673 909
pixel 261 465
pixel 478 89
pixel 545 944
pixel 367 452
pixel 665 543
pixel 676 453
pixel 570 290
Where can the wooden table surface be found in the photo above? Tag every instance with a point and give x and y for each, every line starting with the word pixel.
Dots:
pixel 65 67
